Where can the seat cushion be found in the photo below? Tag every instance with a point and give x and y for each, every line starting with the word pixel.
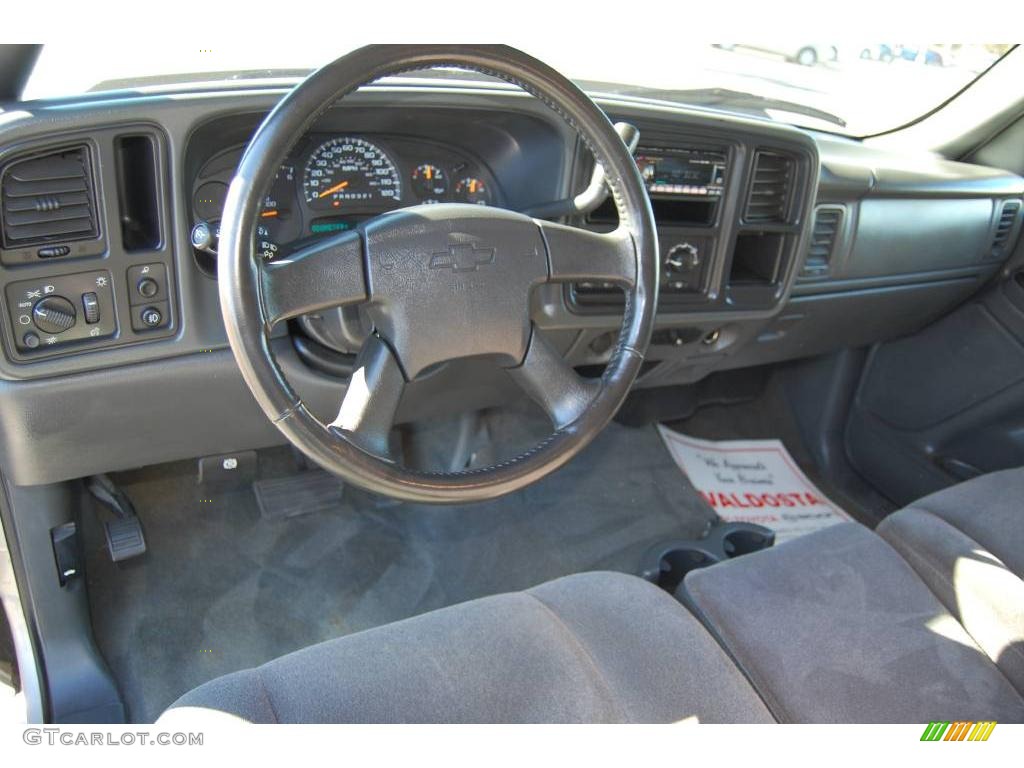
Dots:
pixel 836 627
pixel 988 509
pixel 951 538
pixel 597 647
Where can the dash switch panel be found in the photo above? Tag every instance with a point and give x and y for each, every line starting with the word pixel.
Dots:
pixel 57 311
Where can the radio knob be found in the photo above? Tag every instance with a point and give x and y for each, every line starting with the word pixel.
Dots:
pixel 682 257
pixel 54 314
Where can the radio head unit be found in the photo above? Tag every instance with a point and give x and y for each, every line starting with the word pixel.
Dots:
pixel 686 173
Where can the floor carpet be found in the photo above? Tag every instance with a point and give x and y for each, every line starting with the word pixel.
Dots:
pixel 223 588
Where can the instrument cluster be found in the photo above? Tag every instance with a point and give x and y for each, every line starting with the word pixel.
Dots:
pixel 331 183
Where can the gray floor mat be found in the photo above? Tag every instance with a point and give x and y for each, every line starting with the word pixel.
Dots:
pixel 223 588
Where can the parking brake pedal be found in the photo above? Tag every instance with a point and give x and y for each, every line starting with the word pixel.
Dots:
pixel 124 535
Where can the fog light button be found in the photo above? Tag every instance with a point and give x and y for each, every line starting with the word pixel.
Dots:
pixel 151 317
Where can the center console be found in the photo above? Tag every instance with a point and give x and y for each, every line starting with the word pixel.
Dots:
pixel 687 187
pixel 730 215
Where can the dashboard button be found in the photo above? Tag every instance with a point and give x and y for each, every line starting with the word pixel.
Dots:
pixel 53 251
pixel 147 284
pixel 91 307
pixel 154 316
pixel 30 340
pixel 151 317
pixel 148 287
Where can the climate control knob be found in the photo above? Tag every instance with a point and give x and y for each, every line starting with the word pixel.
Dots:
pixel 54 314
pixel 682 257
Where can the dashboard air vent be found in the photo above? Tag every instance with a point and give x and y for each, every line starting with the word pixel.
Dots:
pixel 48 198
pixel 1004 228
pixel 828 222
pixel 770 188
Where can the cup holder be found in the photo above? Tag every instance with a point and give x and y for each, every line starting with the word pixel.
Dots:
pixel 746 540
pixel 675 563
pixel 667 563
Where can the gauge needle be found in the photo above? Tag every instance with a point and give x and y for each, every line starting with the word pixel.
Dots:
pixel 336 188
pixel 268 214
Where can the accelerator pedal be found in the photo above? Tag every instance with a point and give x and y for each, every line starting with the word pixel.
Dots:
pixel 305 493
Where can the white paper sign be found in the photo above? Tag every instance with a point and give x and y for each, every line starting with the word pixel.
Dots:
pixel 754 481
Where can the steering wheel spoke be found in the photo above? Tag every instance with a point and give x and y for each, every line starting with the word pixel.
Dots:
pixel 328 273
pixel 551 382
pixel 577 255
pixel 371 401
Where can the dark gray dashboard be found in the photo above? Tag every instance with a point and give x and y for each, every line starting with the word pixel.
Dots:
pixel 891 238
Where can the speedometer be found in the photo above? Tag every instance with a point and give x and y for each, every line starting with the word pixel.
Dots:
pixel 347 172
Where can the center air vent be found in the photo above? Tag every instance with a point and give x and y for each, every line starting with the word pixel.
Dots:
pixel 770 188
pixel 1004 228
pixel 828 222
pixel 49 199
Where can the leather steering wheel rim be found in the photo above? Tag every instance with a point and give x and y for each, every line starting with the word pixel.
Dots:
pixel 344 268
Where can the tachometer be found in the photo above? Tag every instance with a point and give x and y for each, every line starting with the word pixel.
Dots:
pixel 346 172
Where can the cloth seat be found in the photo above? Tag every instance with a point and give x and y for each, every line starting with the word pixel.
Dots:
pixel 836 627
pixel 843 625
pixel 967 544
pixel 595 647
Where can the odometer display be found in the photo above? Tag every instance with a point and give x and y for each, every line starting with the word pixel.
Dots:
pixel 347 172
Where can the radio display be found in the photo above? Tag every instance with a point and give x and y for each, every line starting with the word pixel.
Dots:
pixel 685 172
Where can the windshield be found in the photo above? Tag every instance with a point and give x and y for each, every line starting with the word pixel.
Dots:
pixel 853 89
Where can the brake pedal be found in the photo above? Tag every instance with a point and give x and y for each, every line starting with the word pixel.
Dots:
pixel 124 535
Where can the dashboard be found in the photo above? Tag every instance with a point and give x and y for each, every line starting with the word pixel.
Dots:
pixel 771 240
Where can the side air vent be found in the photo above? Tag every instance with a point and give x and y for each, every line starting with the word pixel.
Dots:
pixel 771 187
pixel 1004 228
pixel 828 222
pixel 49 199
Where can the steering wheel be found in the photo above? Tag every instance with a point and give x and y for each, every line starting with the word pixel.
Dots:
pixel 438 282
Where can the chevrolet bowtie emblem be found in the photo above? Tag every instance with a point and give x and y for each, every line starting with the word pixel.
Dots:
pixel 462 257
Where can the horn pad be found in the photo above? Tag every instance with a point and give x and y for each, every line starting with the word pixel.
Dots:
pixel 450 281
